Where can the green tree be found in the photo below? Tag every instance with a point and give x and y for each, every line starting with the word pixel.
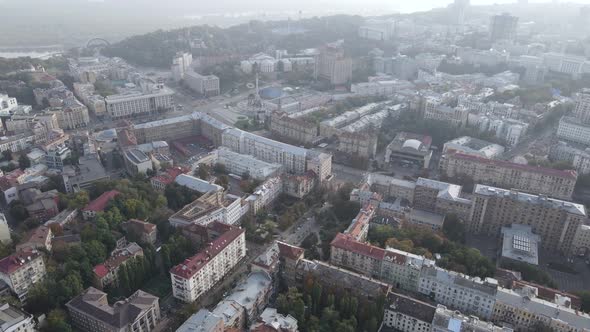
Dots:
pixel 6 155
pixel 97 252
pixel 18 211
pixel 454 228
pixel 23 162
pixel 124 282
pixel 57 322
pixel 203 172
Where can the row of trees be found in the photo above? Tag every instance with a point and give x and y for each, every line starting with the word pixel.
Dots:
pixel 318 309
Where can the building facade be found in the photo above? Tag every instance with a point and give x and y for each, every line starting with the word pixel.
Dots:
pixel 20 271
pixel 537 180
pixel 554 220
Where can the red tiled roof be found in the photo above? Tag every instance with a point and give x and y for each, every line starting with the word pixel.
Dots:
pixel 289 251
pixel 100 203
pixel 193 264
pixel 395 257
pixel 170 175
pixel 10 180
pixel 11 263
pixel 361 220
pixel 348 243
pixel 101 271
pixel 572 174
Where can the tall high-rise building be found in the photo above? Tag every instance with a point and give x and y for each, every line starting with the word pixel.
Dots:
pixel 582 108
pixel 503 27
pixel 459 8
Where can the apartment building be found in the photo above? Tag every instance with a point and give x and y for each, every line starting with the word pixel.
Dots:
pixel 503 26
pixel 21 270
pixel 14 319
pixel 72 116
pixel 206 85
pixel 299 185
pixel 199 273
pixel 395 267
pixel 16 143
pixel 360 144
pixel 407 314
pixel 264 194
pixel 458 291
pixel 538 180
pixel 83 176
pixel 435 110
pixel 571 129
pixel 291 157
pixel 91 312
pixel 440 197
pixel 107 273
pixel 556 221
pixel 576 154
pixel 294 129
pixel 4 230
pixel 391 187
pixel 581 244
pixel 321 164
pixel 523 309
pixel 137 103
pixel 446 320
pixel 210 207
pixel 240 164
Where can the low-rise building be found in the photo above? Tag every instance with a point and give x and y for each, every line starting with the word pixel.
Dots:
pixel 83 176
pixel 299 185
pixel 146 232
pixel 576 154
pixel 55 157
pixel 409 149
pixel 196 184
pixel 520 244
pixel 21 270
pixel 265 194
pixel 537 180
pixel 441 198
pixel 271 321
pixel 107 273
pixel 91 312
pixel 252 295
pixel 14 319
pixel 159 182
pixel 473 146
pixel 199 273
pixel 359 144
pixel 391 187
pixel 5 237
pixel 38 238
pixel 426 219
pixel 571 129
pixel 203 321
pixel 137 162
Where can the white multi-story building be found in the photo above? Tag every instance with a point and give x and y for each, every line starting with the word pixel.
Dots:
pixel 291 157
pixel 197 274
pixel 446 320
pixel 137 103
pixel 240 164
pixel 207 85
pixel 380 88
pixel 582 107
pixel 181 63
pixel 265 194
pixel 13 319
pixel 55 157
pixel 457 291
pixel 571 129
pixel 20 271
pixel 565 63
pixel 7 104
pixel 16 143
pixel 578 156
pixel 213 206
pixel 4 230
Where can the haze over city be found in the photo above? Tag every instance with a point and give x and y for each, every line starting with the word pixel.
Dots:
pixel 294 166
